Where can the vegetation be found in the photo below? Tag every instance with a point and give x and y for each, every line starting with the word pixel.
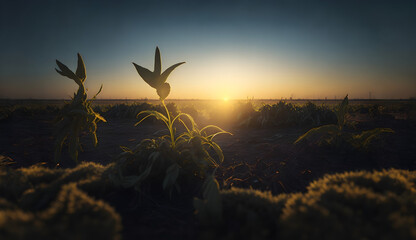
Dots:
pixel 182 162
pixel 38 202
pixel 283 114
pixel 352 205
pixel 77 115
pixel 335 135
pixel 175 156
pixel 131 110
pixel 380 204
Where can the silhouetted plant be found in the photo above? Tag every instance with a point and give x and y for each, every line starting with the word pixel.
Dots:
pixel 77 115
pixel 171 155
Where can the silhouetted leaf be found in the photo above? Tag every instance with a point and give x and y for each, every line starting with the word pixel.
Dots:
pixel 166 73
pixel 146 75
pixel 172 174
pixel 158 62
pixel 65 71
pixel 155 79
pixel 318 132
pixel 81 69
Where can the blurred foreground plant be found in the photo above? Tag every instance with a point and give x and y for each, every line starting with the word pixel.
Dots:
pixel 349 205
pixel 77 115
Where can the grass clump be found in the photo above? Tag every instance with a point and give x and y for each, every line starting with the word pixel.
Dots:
pixel 354 205
pixel 72 215
pixel 38 202
pixel 46 183
pixel 351 205
pixel 76 116
pixel 334 135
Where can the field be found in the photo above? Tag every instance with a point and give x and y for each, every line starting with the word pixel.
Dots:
pixel 268 185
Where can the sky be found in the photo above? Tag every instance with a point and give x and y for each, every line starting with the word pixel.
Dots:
pixel 232 49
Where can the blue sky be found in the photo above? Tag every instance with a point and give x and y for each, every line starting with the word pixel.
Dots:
pixel 233 49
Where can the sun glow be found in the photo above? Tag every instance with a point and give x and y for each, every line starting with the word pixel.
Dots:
pixel 225 99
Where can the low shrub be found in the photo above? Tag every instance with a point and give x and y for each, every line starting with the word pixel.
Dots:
pixel 283 114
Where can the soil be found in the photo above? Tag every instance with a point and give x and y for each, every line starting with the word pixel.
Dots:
pixel 263 159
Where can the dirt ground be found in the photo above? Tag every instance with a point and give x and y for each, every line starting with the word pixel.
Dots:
pixel 263 159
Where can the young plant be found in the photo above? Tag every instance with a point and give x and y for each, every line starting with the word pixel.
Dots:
pixel 76 116
pixel 174 155
pixel 192 134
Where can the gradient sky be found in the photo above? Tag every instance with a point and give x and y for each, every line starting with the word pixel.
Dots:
pixel 233 49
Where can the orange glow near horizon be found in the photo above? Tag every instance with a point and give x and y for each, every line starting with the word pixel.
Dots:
pixel 225 76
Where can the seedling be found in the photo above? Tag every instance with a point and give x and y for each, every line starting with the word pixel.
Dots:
pixel 186 153
pixel 76 116
pixel 158 81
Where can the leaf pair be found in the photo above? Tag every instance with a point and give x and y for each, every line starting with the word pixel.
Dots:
pixel 79 76
pixel 156 79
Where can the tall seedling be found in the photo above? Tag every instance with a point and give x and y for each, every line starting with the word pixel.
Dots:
pixel 193 142
pixel 77 115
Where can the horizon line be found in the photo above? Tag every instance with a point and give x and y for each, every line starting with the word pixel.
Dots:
pixel 214 99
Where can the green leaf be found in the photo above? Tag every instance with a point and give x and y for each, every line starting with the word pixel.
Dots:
pixel 218 151
pixel 210 208
pixel 65 71
pixel 167 72
pixel 156 114
pixel 126 149
pixel 95 96
pixel 94 139
pixel 100 117
pixel 158 62
pixel 315 133
pixel 342 111
pixel 130 181
pixel 81 73
pixel 190 118
pixel 367 136
pixel 172 174
pixel 146 75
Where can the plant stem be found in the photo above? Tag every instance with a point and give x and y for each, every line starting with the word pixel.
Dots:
pixel 172 137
